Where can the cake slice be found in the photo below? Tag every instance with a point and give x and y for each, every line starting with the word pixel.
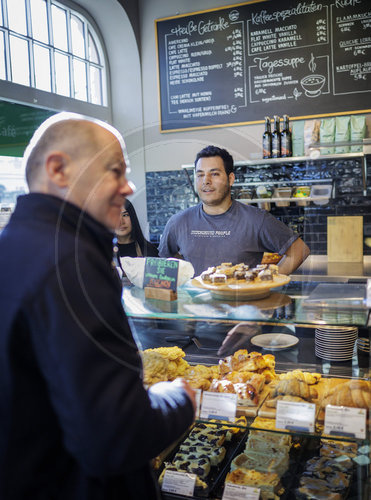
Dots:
pixel 268 482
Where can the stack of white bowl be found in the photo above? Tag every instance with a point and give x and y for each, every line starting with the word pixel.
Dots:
pixel 363 344
pixel 335 343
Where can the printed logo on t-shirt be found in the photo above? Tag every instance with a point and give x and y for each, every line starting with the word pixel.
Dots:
pixel 210 234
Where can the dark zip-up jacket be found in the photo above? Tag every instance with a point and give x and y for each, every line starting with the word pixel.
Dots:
pixel 75 419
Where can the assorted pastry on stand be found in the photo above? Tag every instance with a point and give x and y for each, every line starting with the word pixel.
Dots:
pixel 239 273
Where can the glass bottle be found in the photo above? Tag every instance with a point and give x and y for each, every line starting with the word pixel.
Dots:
pixel 267 139
pixel 286 138
pixel 276 138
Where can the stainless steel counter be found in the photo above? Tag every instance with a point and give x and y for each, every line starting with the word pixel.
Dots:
pixel 317 268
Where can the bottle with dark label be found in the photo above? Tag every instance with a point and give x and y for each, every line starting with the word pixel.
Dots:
pixel 286 138
pixel 276 138
pixel 267 139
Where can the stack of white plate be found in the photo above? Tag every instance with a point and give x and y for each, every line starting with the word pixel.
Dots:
pixel 363 344
pixel 335 343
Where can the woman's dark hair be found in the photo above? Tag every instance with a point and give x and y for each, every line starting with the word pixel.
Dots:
pixel 210 151
pixel 136 231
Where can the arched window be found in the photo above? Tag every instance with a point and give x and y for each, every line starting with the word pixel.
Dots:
pixel 51 59
pixel 49 46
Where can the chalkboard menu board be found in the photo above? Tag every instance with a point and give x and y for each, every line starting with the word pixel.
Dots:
pixel 237 64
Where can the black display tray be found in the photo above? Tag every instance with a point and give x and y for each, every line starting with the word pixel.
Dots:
pixel 289 476
pixel 303 449
pixel 359 487
pixel 217 473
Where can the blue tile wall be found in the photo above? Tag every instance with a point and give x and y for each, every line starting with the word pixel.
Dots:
pixel 169 192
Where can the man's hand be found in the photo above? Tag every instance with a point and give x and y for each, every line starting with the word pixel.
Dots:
pixel 183 384
pixel 238 338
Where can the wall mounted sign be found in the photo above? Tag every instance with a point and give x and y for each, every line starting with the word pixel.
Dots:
pixel 17 125
pixel 234 65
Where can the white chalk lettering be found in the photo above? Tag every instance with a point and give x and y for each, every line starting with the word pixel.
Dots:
pixel 264 17
pixel 263 63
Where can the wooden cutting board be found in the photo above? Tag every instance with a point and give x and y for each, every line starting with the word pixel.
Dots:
pixel 345 239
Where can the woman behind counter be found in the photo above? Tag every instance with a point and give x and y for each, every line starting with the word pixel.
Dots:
pixel 130 239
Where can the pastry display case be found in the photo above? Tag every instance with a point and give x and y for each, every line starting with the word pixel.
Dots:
pixel 267 353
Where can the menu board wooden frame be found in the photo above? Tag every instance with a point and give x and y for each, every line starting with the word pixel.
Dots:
pixel 233 65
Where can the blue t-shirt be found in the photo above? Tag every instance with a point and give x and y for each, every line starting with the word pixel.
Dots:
pixel 241 234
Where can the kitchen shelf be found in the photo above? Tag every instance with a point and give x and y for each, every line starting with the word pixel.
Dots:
pixel 311 159
pixel 290 159
pixel 297 159
pixel 291 199
pixel 284 183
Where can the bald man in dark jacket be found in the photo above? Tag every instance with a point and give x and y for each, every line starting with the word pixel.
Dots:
pixel 76 421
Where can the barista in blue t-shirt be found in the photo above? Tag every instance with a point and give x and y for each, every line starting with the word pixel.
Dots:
pixel 220 229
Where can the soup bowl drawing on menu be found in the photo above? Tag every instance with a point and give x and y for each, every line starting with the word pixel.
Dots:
pixel 312 84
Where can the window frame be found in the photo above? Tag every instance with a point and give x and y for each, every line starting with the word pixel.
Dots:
pixel 51 100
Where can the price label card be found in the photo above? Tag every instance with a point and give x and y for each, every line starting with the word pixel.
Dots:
pixel 198 401
pixel 295 416
pixel 161 273
pixel 240 492
pixel 344 421
pixel 219 406
pixel 181 483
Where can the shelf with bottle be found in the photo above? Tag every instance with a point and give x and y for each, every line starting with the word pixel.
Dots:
pixel 292 159
pixel 289 160
pixel 313 161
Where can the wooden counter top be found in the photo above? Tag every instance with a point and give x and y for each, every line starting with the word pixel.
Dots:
pixel 317 268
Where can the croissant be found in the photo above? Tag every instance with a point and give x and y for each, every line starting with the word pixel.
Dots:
pixel 244 361
pixel 294 387
pixel 355 394
pixel 269 374
pixel 309 378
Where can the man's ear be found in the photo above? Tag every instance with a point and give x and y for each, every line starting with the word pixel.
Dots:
pixel 231 178
pixel 56 165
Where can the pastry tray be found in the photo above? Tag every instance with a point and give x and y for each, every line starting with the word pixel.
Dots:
pixel 287 479
pixel 302 450
pixel 310 449
pixel 233 448
pixel 322 387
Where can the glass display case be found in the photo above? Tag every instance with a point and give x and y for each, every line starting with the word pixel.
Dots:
pixel 310 334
